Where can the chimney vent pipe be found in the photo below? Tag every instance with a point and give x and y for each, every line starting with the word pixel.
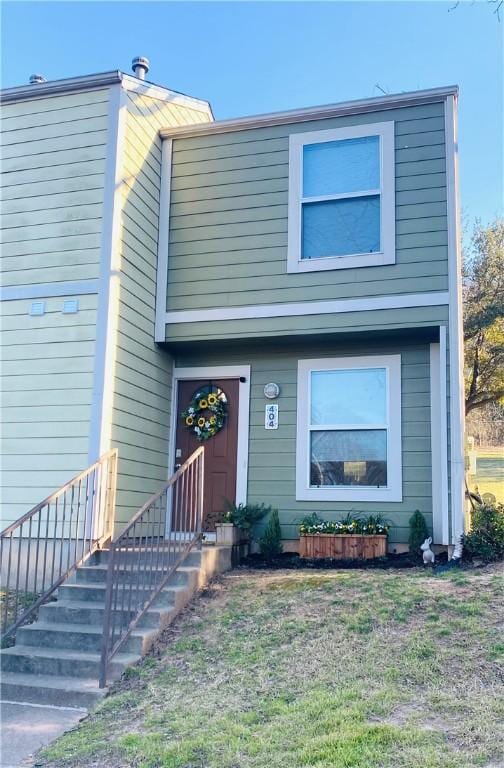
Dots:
pixel 37 79
pixel 140 66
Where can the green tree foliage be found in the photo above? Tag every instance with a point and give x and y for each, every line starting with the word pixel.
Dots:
pixel 418 531
pixel 486 537
pixel 270 543
pixel 483 287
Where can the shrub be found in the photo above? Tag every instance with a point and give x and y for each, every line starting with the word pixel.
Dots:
pixel 245 516
pixel 418 532
pixel 270 543
pixel 485 540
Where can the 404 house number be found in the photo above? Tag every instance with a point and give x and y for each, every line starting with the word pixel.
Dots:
pixel 271 416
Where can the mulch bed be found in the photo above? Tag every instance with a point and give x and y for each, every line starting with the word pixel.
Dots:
pixel 292 561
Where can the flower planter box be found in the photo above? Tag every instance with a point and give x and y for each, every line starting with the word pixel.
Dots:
pixel 349 546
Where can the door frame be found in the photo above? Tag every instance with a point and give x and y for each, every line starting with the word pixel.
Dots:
pixel 242 450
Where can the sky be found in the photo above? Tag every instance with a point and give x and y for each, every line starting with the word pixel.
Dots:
pixel 247 58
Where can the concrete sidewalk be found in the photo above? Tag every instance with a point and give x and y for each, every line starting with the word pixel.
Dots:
pixel 25 728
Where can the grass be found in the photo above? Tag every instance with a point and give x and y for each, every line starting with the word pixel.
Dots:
pixel 490 472
pixel 334 669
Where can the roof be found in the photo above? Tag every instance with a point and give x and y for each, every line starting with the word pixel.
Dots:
pixel 97 81
pixel 359 106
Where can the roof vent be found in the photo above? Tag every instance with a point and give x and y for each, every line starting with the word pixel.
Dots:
pixel 140 66
pixel 37 79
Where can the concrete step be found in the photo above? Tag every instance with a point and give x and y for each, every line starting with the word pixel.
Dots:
pixel 49 689
pixel 95 593
pixel 97 574
pixel 60 662
pixel 79 637
pixel 91 614
pixel 101 556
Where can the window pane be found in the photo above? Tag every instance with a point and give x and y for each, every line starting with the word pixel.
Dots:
pixel 357 396
pixel 341 227
pixel 335 167
pixel 353 457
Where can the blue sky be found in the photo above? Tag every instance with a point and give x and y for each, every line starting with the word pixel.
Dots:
pixel 258 57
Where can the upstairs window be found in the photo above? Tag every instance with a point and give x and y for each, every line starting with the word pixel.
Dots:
pixel 341 198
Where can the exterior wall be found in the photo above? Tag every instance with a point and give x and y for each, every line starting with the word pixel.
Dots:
pixel 53 158
pixel 228 217
pixel 53 152
pixel 142 377
pixel 272 457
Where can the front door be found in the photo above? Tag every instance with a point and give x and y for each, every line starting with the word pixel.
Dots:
pixel 220 449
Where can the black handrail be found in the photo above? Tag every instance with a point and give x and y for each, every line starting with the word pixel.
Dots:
pixel 144 555
pixel 43 547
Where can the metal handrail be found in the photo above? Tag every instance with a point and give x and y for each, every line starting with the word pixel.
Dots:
pixel 44 546
pixel 144 555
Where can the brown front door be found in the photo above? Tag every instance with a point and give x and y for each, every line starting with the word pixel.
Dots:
pixel 220 450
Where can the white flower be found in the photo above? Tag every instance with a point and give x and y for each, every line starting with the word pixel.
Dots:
pixel 197 430
pixel 207 425
pixel 191 411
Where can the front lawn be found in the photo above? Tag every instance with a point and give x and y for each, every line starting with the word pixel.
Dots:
pixel 333 669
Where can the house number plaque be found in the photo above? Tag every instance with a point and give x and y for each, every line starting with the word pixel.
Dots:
pixel 271 416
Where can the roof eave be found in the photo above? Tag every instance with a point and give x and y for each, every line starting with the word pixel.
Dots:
pixel 313 113
pixel 97 81
pixel 67 85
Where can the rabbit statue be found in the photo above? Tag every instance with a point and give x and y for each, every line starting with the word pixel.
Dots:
pixel 427 553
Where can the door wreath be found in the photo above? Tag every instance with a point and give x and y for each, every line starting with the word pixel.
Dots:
pixel 206 413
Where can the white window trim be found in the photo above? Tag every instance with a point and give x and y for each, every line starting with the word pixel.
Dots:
pixel 386 255
pixel 393 490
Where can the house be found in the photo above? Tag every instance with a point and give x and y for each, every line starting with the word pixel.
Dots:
pixel 300 268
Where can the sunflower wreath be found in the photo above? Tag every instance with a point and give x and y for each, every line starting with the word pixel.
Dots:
pixel 205 415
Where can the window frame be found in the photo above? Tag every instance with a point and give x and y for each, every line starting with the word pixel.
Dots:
pixel 386 255
pixel 393 490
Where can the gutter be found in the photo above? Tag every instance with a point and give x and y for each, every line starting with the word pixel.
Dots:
pixel 355 107
pixel 87 82
pixel 95 82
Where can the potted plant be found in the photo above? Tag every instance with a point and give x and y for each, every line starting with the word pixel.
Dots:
pixel 354 538
pixel 238 521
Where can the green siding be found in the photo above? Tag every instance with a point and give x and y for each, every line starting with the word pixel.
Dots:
pixel 142 380
pixel 229 198
pixel 272 456
pixel 52 178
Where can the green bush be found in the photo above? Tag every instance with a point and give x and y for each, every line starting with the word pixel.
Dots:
pixel 485 540
pixel 245 516
pixel 270 543
pixel 418 532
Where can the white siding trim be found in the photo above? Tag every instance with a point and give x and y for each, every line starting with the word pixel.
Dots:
pixel 49 290
pixel 393 491
pixel 439 440
pixel 145 88
pixel 108 303
pixel 385 131
pixel 457 398
pixel 163 240
pixel 401 301
pixel 221 372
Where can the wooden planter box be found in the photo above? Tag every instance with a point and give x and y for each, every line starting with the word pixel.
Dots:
pixel 356 546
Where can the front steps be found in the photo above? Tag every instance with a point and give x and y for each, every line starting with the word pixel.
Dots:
pixel 56 660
